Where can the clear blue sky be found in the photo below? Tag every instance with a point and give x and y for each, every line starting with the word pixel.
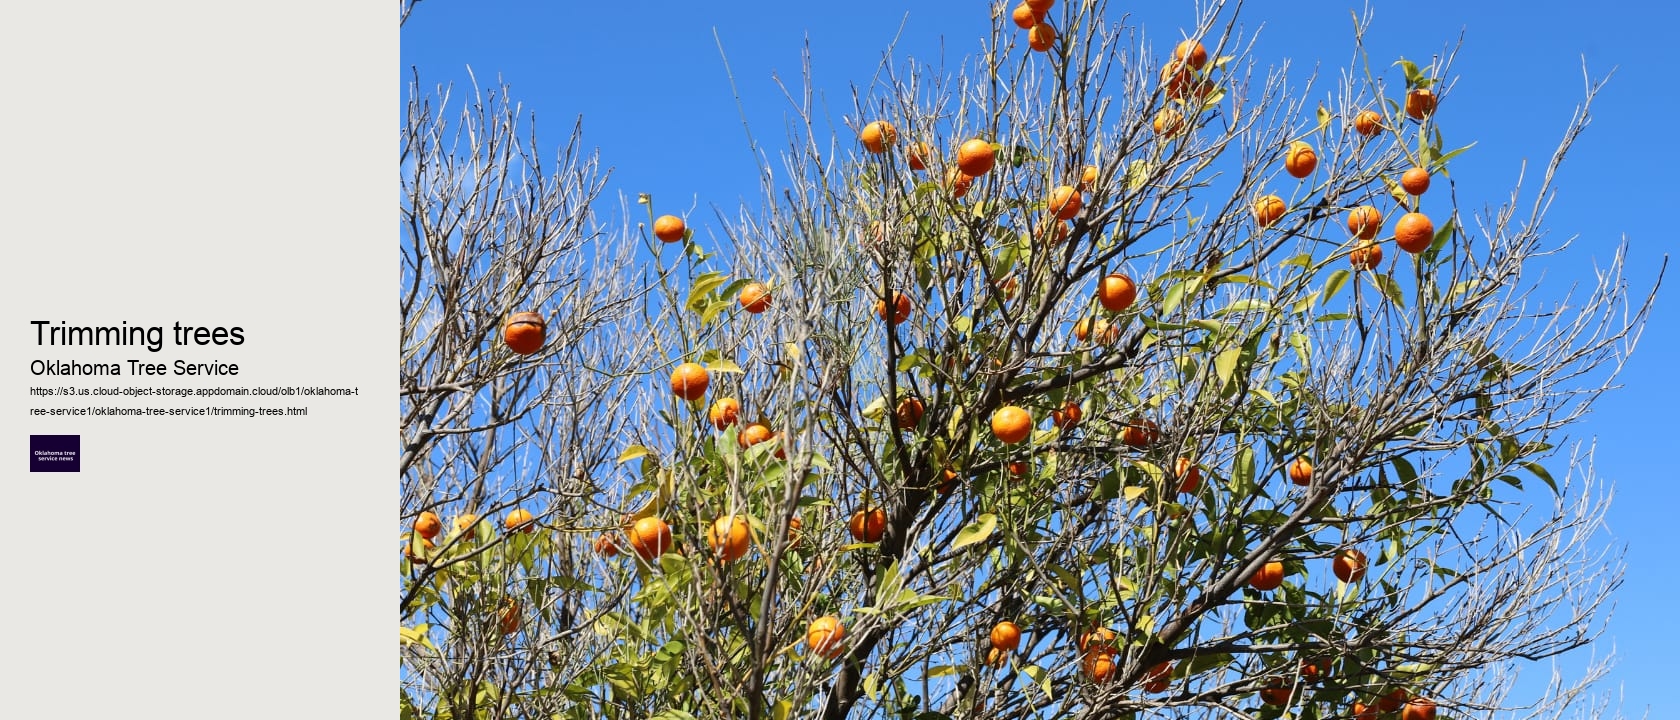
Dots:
pixel 649 84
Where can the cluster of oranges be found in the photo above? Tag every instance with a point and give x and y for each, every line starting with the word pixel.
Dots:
pixel 1030 16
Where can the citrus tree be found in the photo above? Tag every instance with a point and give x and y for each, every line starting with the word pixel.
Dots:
pixel 1105 376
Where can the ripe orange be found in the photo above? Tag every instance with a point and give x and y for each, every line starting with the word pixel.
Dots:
pixel 1116 292
pixel 1189 476
pixel 1052 231
pixel 793 533
pixel 1006 636
pixel 957 182
pixel 1140 433
pixel 1100 666
pixel 1420 104
pixel 1191 52
pixel 996 657
pixel 1414 232
pixel 650 537
pixel 1025 17
pixel 781 444
pixel 1392 700
pixel 1100 640
pixel 1068 416
pixel 1088 178
pixel 1309 671
pixel 950 483
pixel 975 157
pixel 725 412
pixel 878 136
pixel 1268 577
pixel 1368 123
pixel 508 621
pixel 1101 330
pixel 519 519
pixel 1176 78
pixel 1041 37
pixel 523 332
pixel 1300 471
pixel 1300 160
pixel 1361 711
pixel 1065 202
pixel 1159 677
pixel 465 522
pixel 426 547
pixel 729 537
pixel 1415 181
pixel 755 298
pixel 1169 122
pixel 669 228
pixel 1418 708
pixel 1268 209
pixel 1275 693
pixel 1364 222
pixel 909 412
pixel 1008 286
pixel 1041 6
pixel 754 434
pixel 1368 255
pixel 901 308
pixel 1019 469
pixel 918 153
pixel 689 381
pixel 1011 424
pixel 606 545
pixel 1349 566
pixel 428 525
pixel 824 636
pixel 868 525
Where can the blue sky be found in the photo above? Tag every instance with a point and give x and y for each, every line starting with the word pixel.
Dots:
pixel 648 81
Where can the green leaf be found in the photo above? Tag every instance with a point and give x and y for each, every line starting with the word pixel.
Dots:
pixel 1225 365
pixel 1041 677
pixel 941 670
pixel 723 366
pixel 1334 283
pixel 1389 288
pixel 1540 471
pixel 632 452
pixel 976 531
pixel 1442 237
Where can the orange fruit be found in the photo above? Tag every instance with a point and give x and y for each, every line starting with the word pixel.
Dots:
pixel 508 620
pixel 878 136
pixel 1414 232
pixel 650 537
pixel 1099 328
pixel 1140 433
pixel 793 534
pixel 1158 677
pixel 909 412
pixel 428 525
pixel 1006 636
pixel 725 412
pixel 1008 286
pixel 1176 78
pixel 1418 708
pixel 426 547
pixel 919 154
pixel 868 525
pixel 1268 209
pixel 1100 666
pixel 1392 701
pixel 1309 671
pixel 754 434
pixel 1300 160
pixel 1052 231
pixel 1065 202
pixel 1169 122
pixel 1364 222
pixel 1040 6
pixel 606 545
pixel 523 332
pixel 1068 416
pixel 1189 476
pixel 689 381
pixel 1088 178
pixel 1041 37
pixel 1415 181
pixel 1011 424
pixel 755 298
pixel 519 519
pixel 1349 566
pixel 669 228
pixel 729 537
pixel 1116 292
pixel 1191 53
pixel 975 157
pixel 1361 711
pixel 1368 123
pixel 950 483
pixel 901 308
pixel 958 182
pixel 464 522
pixel 996 657
pixel 1019 469
pixel 1300 471
pixel 1025 17
pixel 1420 104
pixel 781 447
pixel 824 636
pixel 1275 693
pixel 1368 255
pixel 1268 577
pixel 1098 641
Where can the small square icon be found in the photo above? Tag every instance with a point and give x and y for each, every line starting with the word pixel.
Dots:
pixel 55 453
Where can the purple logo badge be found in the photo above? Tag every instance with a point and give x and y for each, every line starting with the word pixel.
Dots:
pixel 55 453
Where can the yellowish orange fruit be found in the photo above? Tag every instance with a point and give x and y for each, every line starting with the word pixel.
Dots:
pixel 1169 123
pixel 650 537
pixel 1065 202
pixel 1420 103
pixel 1368 123
pixel 975 157
pixel 1041 37
pixel 1268 577
pixel 878 136
pixel 868 525
pixel 755 298
pixel 1116 292
pixel 428 525
pixel 1368 255
pixel 669 228
pixel 1006 636
pixel 729 537
pixel 1011 424
pixel 1364 222
pixel 520 520
pixel 1191 53
pixel 724 412
pixel 1300 471
pixel 1349 565
pixel 1268 209
pixel 1414 232
pixel 689 381
pixel 825 636
pixel 1415 181
pixel 1300 160
pixel 523 332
